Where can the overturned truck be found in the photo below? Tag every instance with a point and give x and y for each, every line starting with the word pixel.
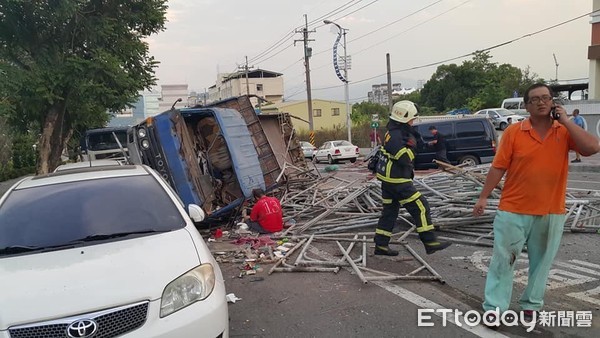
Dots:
pixel 214 156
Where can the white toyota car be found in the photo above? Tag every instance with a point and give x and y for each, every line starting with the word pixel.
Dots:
pixel 105 252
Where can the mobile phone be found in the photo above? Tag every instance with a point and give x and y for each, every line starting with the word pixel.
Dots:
pixel 553 114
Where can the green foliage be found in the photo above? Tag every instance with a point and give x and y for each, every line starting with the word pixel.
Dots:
pixel 5 142
pixel 476 84
pixel 360 134
pixel 76 59
pixel 362 112
pixel 23 152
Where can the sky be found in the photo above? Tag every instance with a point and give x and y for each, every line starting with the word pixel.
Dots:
pixel 206 37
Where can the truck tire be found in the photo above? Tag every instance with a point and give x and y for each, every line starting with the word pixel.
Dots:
pixel 469 160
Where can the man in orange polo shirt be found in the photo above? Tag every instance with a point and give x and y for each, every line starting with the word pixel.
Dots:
pixel 534 154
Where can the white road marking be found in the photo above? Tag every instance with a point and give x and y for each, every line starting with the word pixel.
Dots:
pixel 479 330
pixel 587 295
pixel 422 302
pixel 557 278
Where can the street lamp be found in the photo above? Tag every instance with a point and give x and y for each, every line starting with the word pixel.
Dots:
pixel 344 78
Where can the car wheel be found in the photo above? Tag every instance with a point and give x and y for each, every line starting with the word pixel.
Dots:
pixel 503 125
pixel 352 160
pixel 315 159
pixel 468 160
pixel 330 159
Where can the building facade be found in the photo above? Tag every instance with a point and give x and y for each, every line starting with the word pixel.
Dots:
pixel 326 114
pixel 262 83
pixel 379 93
pixel 169 94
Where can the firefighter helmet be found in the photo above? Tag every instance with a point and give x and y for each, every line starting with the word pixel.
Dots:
pixel 404 111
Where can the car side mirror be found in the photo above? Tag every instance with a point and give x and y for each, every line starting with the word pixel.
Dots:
pixel 196 213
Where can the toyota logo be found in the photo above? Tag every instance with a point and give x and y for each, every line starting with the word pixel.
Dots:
pixel 82 328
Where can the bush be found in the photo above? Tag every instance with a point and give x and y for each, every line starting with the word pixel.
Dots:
pixel 360 134
pixel 8 172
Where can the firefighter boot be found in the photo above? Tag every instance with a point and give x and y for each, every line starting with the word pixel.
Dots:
pixel 385 251
pixel 431 243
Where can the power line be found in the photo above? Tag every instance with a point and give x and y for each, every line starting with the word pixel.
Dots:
pixel 290 34
pixel 413 27
pixel 275 45
pixel 472 53
pixel 393 22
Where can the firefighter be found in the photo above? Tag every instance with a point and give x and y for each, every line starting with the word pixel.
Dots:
pixel 395 171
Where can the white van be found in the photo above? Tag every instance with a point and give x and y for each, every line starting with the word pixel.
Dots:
pixel 514 104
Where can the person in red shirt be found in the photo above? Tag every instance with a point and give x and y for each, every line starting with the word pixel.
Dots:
pixel 266 215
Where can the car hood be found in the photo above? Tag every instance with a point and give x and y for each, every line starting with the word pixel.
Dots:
pixel 63 283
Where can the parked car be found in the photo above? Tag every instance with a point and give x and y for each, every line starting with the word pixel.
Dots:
pixel 469 141
pixel 105 252
pixel 461 111
pixel 500 116
pixel 308 149
pixel 333 151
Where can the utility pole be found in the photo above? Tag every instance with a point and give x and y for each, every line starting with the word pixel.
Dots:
pixel 245 69
pixel 389 82
pixel 307 55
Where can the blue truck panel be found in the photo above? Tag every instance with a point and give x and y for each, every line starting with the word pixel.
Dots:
pixel 241 148
pixel 171 143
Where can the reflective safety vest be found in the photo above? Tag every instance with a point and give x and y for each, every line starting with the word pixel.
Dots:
pixel 395 162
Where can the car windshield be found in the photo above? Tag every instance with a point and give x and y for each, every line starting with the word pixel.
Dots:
pixel 306 145
pixel 59 214
pixel 341 143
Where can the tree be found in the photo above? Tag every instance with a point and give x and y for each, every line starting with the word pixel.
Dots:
pixel 363 111
pixel 72 61
pixel 476 84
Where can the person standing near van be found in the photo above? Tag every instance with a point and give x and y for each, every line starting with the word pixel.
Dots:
pixel 439 144
pixel 534 154
pixel 395 171
pixel 578 120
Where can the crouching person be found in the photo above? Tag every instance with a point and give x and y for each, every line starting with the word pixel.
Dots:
pixel 266 215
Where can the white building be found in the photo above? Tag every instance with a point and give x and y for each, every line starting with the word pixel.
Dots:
pixel 379 93
pixel 262 83
pixel 170 94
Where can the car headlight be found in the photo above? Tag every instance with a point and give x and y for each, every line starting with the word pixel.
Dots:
pixel 142 132
pixel 193 286
pixel 145 144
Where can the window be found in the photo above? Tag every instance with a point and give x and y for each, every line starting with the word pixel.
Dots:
pixel 444 129
pixel 259 87
pixel 511 105
pixel 335 111
pixel 470 129
pixel 316 112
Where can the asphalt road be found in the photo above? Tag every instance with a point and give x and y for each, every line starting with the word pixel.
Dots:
pixel 335 305
pixel 339 305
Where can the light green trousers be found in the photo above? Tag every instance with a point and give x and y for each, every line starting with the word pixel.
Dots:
pixel 542 235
